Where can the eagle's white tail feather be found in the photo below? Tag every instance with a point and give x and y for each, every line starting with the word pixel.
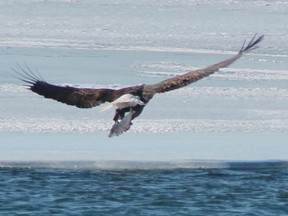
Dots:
pixel 106 107
pixel 126 100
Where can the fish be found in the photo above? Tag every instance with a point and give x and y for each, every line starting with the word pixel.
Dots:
pixel 121 126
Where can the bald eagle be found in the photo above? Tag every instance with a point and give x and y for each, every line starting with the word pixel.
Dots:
pixel 129 101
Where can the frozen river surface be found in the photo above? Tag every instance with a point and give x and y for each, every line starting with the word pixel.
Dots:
pixel 240 113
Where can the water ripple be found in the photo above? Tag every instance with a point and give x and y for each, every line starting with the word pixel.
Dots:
pixel 87 192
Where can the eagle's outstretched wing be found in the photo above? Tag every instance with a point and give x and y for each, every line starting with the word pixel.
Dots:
pixel 193 76
pixel 79 97
pixel 88 97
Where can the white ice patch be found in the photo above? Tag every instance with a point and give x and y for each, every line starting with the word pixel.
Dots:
pixel 13 88
pixel 124 165
pixel 44 125
pixel 170 69
pixel 232 92
pixel 154 25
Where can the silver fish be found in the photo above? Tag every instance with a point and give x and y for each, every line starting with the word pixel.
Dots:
pixel 122 126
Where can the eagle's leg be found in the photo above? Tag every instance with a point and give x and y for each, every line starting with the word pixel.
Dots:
pixel 137 110
pixel 120 113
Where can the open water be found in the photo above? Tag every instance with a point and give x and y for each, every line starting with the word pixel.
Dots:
pixel 226 191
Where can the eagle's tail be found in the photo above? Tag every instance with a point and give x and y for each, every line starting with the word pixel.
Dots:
pixel 106 107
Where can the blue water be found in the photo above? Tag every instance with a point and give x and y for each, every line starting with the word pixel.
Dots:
pixel 238 114
pixel 227 191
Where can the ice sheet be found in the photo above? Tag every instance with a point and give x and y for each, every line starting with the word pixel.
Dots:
pixel 240 113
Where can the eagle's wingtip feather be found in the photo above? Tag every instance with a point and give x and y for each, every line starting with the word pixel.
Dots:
pixel 252 44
